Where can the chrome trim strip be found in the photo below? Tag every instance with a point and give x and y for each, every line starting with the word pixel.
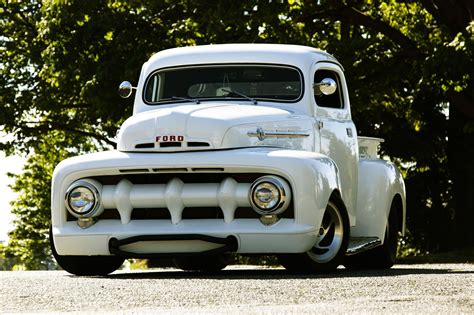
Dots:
pixel 261 134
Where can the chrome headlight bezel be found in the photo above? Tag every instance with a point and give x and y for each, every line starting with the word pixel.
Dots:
pixel 282 188
pixel 94 190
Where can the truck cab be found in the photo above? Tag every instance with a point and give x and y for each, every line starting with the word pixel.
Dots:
pixel 246 148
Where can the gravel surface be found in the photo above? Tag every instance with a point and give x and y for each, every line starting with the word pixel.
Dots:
pixel 440 288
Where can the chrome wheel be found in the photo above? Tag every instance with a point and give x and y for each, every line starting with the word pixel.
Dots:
pixel 330 247
pixel 330 237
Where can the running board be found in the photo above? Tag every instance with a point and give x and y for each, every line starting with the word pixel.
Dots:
pixel 361 244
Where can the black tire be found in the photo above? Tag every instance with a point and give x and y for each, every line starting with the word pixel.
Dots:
pixel 330 248
pixel 381 257
pixel 86 265
pixel 208 263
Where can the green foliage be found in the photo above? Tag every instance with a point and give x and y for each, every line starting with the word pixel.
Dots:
pixel 460 256
pixel 265 260
pixel 29 241
pixel 6 263
pixel 408 63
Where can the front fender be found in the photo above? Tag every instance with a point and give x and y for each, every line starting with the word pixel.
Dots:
pixel 312 176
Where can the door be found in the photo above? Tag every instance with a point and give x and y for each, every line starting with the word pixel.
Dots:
pixel 337 132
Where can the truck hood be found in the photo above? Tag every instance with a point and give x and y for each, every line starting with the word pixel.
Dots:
pixel 205 127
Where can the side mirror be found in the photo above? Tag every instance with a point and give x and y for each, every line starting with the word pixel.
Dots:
pixel 327 86
pixel 126 89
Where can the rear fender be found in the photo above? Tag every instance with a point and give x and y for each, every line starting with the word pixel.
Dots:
pixel 380 183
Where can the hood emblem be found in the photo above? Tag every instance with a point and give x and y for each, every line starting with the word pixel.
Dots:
pixel 262 134
pixel 169 138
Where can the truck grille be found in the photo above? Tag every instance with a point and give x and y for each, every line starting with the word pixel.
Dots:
pixel 176 197
pixel 188 214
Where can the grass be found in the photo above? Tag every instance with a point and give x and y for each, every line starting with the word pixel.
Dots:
pixel 456 256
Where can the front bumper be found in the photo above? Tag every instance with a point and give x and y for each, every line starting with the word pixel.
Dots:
pixel 252 236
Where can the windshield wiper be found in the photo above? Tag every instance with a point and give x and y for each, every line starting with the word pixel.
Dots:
pixel 186 99
pixel 254 101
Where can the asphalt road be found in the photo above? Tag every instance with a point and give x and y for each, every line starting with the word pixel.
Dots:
pixel 441 288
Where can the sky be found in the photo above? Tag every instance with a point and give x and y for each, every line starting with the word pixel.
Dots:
pixel 12 164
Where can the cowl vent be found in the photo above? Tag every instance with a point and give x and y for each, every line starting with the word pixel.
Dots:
pixel 145 145
pixel 170 144
pixel 191 144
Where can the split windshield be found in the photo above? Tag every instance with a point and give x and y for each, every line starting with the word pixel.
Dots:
pixel 248 82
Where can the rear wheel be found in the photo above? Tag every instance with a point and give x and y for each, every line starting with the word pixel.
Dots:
pixel 382 257
pixel 86 265
pixel 202 263
pixel 331 244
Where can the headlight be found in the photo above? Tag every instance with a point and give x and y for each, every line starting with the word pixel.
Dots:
pixel 82 199
pixel 269 195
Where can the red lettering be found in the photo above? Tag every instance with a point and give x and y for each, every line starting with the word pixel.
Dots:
pixel 169 138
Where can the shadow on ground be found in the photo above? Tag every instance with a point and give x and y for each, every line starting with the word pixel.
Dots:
pixel 271 274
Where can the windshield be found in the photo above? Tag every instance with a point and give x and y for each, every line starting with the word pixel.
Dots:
pixel 273 83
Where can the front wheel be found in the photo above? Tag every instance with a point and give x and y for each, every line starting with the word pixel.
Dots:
pixel 86 265
pixel 331 244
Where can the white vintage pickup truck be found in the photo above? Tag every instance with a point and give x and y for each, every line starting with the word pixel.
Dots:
pixel 244 148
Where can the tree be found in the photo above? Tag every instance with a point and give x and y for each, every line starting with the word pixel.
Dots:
pixel 29 241
pixel 417 58
pixel 408 63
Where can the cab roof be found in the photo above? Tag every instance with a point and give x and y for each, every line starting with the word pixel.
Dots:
pixel 293 55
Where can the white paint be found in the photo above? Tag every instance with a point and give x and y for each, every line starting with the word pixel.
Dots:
pixel 191 122
pixel 379 181
pixel 175 196
pixel 253 236
pixel 369 147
